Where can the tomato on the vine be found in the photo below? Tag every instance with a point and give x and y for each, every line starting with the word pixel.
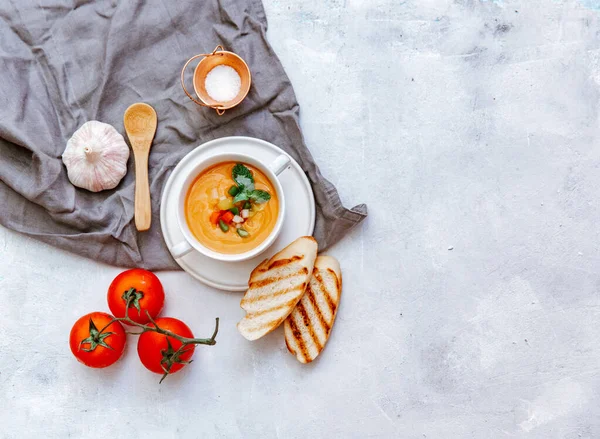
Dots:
pixel 94 348
pixel 160 353
pixel 141 289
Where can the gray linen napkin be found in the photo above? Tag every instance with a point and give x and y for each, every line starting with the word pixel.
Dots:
pixel 67 62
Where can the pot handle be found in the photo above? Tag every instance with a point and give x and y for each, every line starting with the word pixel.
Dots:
pixel 219 111
pixel 181 249
pixel 280 164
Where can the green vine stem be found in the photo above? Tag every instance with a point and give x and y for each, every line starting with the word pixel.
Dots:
pixel 173 357
pixel 145 328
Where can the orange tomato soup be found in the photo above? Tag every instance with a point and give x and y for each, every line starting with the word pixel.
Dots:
pixel 200 203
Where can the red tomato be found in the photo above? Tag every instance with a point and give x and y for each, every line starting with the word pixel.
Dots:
pixel 153 348
pixel 92 348
pixel 227 216
pixel 214 217
pixel 144 289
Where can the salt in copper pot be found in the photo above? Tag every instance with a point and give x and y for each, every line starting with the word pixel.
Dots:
pixel 210 61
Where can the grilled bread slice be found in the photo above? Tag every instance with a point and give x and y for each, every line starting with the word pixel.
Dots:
pixel 276 286
pixel 308 326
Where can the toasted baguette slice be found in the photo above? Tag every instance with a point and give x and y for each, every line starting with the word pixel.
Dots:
pixel 276 286
pixel 309 325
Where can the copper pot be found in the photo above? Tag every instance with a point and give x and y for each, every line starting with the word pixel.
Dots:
pixel 208 62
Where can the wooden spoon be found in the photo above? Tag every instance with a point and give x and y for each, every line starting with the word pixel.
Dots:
pixel 140 124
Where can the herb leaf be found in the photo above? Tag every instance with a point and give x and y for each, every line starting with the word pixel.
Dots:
pixel 243 177
pixel 242 195
pixel 259 196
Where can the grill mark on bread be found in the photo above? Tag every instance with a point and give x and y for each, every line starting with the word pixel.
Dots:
pixel 302 352
pixel 310 295
pixel 265 311
pixel 270 280
pixel 328 298
pixel 337 281
pixel 271 325
pixel 308 325
pixel 287 304
pixel 282 262
pixel 259 269
pixel 283 292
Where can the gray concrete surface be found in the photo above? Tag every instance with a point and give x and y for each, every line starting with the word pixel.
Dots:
pixel 471 294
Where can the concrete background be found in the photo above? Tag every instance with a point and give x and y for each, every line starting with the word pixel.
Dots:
pixel 471 294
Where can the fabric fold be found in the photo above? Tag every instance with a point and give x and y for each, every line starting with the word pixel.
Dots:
pixel 69 62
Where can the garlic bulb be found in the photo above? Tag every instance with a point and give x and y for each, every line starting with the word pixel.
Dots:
pixel 96 157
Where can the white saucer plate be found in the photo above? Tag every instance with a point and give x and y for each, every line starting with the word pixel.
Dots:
pixel 299 216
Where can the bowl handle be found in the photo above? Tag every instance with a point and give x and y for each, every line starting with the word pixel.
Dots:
pixel 181 249
pixel 279 164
